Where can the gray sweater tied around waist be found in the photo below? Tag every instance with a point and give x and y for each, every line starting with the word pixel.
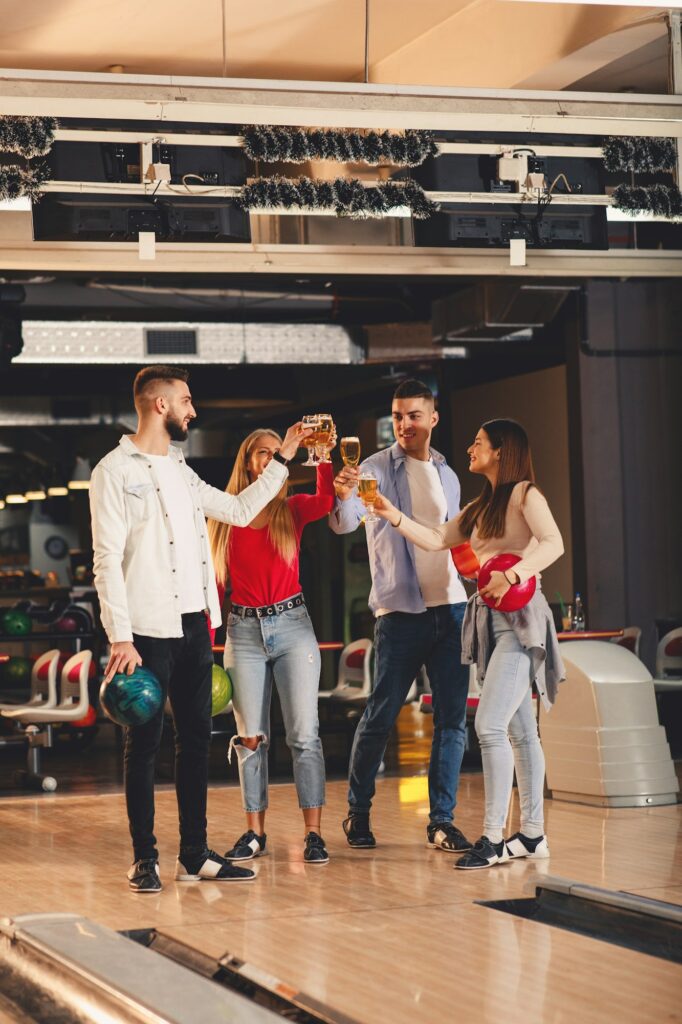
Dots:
pixel 534 629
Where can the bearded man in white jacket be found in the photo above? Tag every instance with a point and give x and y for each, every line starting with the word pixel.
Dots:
pixel 156 586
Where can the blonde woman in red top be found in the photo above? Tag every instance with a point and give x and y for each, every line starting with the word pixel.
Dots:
pixel 270 639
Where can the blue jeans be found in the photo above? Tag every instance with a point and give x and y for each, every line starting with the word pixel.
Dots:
pixel 282 649
pixel 507 731
pixel 403 642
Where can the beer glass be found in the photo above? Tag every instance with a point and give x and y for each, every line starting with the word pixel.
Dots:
pixel 350 450
pixel 309 442
pixel 367 492
pixel 323 436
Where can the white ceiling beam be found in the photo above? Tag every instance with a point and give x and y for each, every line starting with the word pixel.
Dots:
pixel 305 260
pixel 240 101
pixel 124 188
pixel 237 142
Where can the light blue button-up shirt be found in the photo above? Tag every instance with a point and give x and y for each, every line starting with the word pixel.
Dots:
pixel 394 576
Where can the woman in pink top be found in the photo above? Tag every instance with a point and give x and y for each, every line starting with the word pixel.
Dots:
pixel 270 640
pixel 512 649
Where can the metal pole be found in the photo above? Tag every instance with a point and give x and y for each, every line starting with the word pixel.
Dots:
pixel 675 28
pixel 224 23
pixel 366 41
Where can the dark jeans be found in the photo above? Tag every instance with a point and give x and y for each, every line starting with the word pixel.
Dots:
pixel 183 666
pixel 403 643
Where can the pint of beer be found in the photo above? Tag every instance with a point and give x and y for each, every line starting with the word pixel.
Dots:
pixel 350 450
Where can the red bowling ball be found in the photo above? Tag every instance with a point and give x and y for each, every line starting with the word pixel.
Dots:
pixel 518 595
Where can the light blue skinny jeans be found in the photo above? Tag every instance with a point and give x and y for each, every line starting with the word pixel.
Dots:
pixel 283 649
pixel 507 732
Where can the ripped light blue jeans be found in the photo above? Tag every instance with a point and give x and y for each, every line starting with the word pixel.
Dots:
pixel 282 649
pixel 507 732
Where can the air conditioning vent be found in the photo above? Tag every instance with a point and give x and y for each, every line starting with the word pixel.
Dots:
pixel 171 343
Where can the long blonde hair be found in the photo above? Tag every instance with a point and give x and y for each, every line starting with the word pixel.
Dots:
pixel 280 525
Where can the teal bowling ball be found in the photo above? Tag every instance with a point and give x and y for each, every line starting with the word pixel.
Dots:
pixel 15 623
pixel 132 699
pixel 221 690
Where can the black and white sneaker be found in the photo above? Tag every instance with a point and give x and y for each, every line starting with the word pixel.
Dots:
pixel 143 876
pixel 209 866
pixel 315 851
pixel 483 854
pixel 521 846
pixel 358 833
pixel 443 835
pixel 248 846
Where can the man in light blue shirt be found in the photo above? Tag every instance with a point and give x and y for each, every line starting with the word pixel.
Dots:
pixel 419 602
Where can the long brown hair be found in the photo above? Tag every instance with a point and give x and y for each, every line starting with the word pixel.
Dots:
pixel 488 512
pixel 280 525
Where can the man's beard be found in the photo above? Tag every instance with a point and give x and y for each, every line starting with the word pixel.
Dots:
pixel 175 429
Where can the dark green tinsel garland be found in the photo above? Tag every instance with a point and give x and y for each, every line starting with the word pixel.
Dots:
pixel 662 200
pixel 16 181
pixel 643 156
pixel 347 197
pixel 294 145
pixel 27 136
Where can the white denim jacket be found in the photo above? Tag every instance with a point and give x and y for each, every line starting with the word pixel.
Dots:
pixel 134 549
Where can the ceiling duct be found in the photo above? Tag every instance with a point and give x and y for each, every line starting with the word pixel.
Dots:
pixel 74 342
pixel 496 311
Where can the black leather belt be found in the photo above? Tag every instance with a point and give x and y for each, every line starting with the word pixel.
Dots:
pixel 266 610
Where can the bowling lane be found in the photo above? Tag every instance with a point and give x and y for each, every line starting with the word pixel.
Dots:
pixel 453 962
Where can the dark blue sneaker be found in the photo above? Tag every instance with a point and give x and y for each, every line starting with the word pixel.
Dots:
pixel 358 833
pixel 143 876
pixel 443 835
pixel 315 851
pixel 209 866
pixel 248 846
pixel 483 854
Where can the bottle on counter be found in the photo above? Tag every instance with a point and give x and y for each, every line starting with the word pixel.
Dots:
pixel 578 624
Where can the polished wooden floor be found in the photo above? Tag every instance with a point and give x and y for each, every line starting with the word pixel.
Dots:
pixel 393 934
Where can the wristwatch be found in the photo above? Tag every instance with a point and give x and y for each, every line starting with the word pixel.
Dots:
pixel 278 457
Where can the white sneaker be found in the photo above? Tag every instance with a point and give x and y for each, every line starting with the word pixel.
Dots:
pixel 521 846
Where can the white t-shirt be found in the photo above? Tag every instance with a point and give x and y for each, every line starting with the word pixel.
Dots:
pixel 438 579
pixel 178 502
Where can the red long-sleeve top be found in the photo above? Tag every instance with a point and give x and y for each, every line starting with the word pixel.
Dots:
pixel 258 573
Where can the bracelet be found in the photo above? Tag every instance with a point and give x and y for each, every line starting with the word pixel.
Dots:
pixel 507 579
pixel 396 525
